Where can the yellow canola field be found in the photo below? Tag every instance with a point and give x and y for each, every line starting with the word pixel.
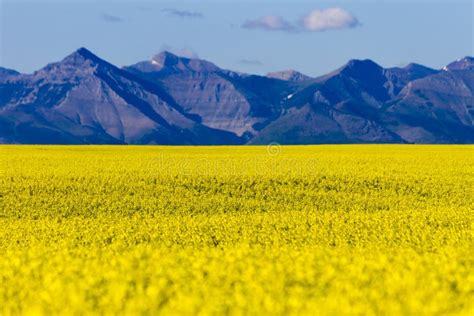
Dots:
pixel 317 230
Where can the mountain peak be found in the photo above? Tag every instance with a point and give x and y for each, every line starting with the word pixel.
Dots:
pixel 361 63
pixel 466 63
pixel 84 52
pixel 166 59
pixel 412 69
pixel 360 69
pixel 80 62
pixel 288 75
pixel 400 76
pixel 169 62
pixel 415 66
pixel 81 56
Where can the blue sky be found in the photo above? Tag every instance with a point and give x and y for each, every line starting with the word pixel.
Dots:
pixel 257 36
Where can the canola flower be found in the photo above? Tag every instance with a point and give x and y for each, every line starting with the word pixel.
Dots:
pixel 316 230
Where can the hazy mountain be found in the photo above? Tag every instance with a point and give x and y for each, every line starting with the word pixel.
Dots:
pixel 176 100
pixel 84 99
pixel 288 75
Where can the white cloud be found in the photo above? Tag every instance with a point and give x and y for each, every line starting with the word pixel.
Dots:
pixel 313 21
pixel 269 23
pixel 328 19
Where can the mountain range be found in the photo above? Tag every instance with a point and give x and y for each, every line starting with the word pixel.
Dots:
pixel 173 100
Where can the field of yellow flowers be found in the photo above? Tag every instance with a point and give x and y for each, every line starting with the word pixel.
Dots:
pixel 326 230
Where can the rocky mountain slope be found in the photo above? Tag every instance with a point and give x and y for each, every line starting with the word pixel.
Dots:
pixel 84 99
pixel 221 99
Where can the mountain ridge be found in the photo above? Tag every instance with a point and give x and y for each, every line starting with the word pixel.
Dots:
pixel 175 100
pixel 289 75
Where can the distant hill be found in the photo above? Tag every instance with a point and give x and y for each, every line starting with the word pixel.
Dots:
pixel 288 75
pixel 168 99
